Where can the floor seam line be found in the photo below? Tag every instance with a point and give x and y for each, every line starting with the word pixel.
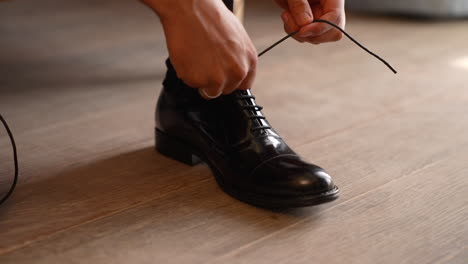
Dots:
pixel 71 227
pixel 328 209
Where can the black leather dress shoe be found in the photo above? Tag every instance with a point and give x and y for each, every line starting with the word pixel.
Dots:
pixel 248 158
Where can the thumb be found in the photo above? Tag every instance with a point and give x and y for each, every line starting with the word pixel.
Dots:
pixel 301 12
pixel 317 29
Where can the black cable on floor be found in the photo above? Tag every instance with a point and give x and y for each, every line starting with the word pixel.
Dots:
pixel 15 160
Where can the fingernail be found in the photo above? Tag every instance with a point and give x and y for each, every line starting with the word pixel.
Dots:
pixel 209 96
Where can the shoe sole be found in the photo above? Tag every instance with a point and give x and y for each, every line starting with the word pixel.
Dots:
pixel 182 152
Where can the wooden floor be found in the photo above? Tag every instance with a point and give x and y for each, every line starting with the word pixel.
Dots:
pixel 79 80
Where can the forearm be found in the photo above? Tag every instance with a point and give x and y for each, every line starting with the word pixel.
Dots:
pixel 166 9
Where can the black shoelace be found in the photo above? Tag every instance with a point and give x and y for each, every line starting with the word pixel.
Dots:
pixel 241 95
pixel 342 31
pixel 254 109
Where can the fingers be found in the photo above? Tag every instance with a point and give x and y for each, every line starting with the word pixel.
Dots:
pixel 206 94
pixel 283 4
pixel 330 36
pixel 300 11
pixel 236 74
pixel 249 79
pixel 290 25
pixel 213 90
pixel 240 77
pixel 317 29
pixel 208 89
pixel 330 10
pixel 321 32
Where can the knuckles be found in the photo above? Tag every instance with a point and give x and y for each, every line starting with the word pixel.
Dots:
pixel 215 83
pixel 226 78
pixel 297 5
pixel 238 73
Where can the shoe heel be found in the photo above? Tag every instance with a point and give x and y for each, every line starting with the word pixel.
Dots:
pixel 174 149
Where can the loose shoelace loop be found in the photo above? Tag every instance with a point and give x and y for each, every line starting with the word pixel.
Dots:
pixel 256 108
pixel 342 31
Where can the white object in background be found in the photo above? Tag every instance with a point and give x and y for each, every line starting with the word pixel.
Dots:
pixel 433 8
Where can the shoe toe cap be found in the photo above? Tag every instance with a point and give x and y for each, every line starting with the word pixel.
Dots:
pixel 291 176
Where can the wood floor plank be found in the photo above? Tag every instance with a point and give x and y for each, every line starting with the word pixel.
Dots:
pixel 200 223
pixel 61 167
pixel 420 218
pixel 81 101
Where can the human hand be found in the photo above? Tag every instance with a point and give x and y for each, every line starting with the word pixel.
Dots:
pixel 208 46
pixel 298 14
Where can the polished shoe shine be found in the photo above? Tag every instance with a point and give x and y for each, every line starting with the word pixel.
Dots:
pixel 248 158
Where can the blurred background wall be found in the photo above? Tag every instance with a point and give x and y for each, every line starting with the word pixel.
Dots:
pixel 430 8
